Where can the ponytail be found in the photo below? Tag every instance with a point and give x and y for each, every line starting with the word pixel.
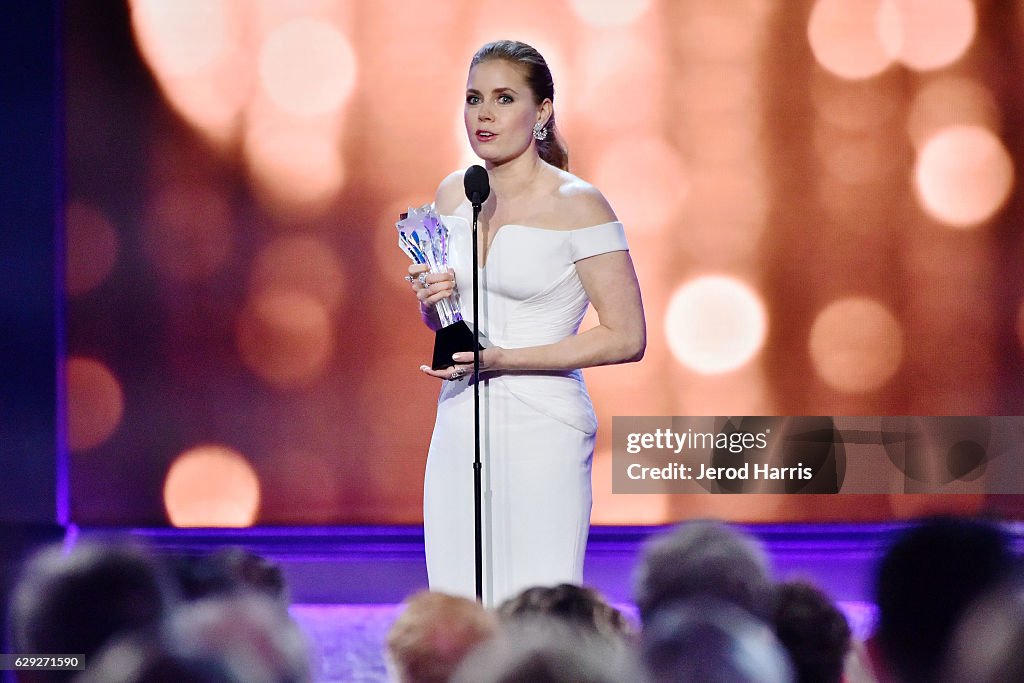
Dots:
pixel 551 149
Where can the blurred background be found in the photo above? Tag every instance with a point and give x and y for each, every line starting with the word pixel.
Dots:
pixel 821 197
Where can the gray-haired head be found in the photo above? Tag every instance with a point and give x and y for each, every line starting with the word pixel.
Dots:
pixel 703 558
pixel 80 600
pixel 711 641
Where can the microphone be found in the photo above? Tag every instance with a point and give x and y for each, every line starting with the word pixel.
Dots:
pixel 478 188
pixel 477 184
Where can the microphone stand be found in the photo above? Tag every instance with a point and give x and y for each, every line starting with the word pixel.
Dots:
pixel 477 466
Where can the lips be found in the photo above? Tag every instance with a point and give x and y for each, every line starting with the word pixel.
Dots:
pixel 485 135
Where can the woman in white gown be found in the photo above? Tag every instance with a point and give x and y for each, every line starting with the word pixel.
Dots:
pixel 549 244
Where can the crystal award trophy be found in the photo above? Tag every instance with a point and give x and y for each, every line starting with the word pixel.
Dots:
pixel 424 238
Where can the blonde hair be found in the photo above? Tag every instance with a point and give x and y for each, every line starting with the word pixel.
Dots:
pixel 434 634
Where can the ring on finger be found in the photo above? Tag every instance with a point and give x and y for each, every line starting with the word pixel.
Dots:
pixel 409 278
pixel 423 279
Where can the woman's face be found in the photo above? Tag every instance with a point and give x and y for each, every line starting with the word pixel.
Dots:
pixel 500 111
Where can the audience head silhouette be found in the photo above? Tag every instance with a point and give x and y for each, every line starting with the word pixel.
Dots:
pixel 814 632
pixel 703 558
pixel 712 641
pixel 925 582
pixel 434 634
pixel 75 602
pixel 579 606
pixel 547 650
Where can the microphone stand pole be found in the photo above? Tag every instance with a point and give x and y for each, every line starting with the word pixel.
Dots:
pixel 477 466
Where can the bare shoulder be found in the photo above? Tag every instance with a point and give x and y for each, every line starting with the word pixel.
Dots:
pixel 450 192
pixel 582 203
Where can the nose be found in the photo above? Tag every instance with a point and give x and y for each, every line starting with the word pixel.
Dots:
pixel 483 112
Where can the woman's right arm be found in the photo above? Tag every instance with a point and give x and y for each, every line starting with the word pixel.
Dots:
pixel 438 285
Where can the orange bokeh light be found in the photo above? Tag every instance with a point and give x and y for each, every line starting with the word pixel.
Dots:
pixel 195 49
pixel 92 247
pixel 610 12
pixel 95 403
pixel 715 324
pixel 211 486
pixel 856 345
pixel 286 337
pixel 188 231
pixel 267 15
pixel 297 166
pixel 307 67
pixel 927 34
pixel 181 37
pixel 301 264
pixel 963 175
pixel 845 40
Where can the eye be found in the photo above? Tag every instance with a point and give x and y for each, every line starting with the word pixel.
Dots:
pixel 472 99
pixel 505 99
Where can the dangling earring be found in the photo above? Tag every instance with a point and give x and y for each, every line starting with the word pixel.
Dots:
pixel 540 132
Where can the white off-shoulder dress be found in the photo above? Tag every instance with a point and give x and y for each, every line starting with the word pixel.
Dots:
pixel 538 428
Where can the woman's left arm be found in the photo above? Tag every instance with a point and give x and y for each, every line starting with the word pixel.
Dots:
pixel 619 337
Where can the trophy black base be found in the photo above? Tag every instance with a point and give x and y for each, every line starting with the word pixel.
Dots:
pixel 448 340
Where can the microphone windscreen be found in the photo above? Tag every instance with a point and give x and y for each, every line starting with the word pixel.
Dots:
pixel 477 184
